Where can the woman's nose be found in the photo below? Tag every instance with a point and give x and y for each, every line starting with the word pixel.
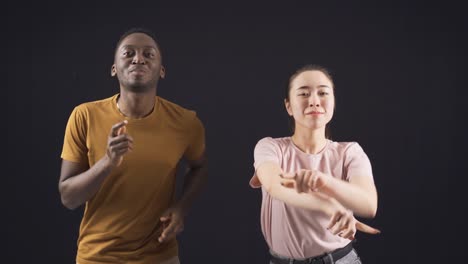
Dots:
pixel 314 103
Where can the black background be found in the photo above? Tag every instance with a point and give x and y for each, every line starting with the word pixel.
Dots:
pixel 399 75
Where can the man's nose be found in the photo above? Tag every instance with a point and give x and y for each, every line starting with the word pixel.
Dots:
pixel 138 58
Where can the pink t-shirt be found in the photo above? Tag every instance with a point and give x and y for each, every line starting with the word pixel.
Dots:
pixel 295 232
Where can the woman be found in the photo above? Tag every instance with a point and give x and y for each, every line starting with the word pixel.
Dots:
pixel 312 186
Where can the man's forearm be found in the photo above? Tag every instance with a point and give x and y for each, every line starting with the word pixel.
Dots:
pixel 78 189
pixel 194 181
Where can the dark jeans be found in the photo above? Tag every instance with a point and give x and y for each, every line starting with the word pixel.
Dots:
pixel 351 258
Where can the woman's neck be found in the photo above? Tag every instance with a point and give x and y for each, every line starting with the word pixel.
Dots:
pixel 310 141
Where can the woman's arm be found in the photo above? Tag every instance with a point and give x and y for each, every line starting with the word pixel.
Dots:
pixel 358 195
pixel 342 221
pixel 269 175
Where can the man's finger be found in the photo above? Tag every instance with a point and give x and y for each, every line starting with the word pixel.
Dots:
pixel 164 218
pixel 366 229
pixel 122 140
pixel 167 232
pixel 115 128
pixel 121 130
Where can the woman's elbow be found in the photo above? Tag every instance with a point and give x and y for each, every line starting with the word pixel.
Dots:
pixel 268 187
pixel 371 210
pixel 271 188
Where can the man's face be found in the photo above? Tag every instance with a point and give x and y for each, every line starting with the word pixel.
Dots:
pixel 137 63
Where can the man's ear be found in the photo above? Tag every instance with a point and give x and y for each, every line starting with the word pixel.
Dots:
pixel 162 72
pixel 113 70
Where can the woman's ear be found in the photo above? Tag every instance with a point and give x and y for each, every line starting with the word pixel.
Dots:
pixel 287 105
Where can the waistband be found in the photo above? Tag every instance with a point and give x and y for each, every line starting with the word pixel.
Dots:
pixel 322 259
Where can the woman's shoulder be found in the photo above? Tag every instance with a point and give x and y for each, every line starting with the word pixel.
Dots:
pixel 342 144
pixel 279 141
pixel 348 147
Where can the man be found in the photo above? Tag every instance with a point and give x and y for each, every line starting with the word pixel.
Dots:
pixel 120 156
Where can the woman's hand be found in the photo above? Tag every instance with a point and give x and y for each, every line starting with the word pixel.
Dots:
pixel 304 180
pixel 343 224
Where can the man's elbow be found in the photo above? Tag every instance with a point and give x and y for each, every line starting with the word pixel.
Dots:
pixel 66 201
pixel 69 205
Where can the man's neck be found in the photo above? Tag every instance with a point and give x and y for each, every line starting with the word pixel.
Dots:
pixel 136 105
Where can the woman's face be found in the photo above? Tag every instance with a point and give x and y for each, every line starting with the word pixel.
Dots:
pixel 311 100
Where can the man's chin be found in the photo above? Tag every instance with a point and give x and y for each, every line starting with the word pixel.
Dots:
pixel 137 87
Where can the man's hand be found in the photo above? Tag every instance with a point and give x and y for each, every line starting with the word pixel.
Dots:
pixel 173 223
pixel 119 143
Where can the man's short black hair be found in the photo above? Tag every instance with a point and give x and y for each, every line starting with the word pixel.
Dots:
pixel 143 30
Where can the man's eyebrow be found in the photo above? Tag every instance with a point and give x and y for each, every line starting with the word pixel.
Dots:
pixel 134 46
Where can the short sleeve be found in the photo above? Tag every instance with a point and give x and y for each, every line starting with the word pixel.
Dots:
pixel 357 163
pixel 74 143
pixel 265 150
pixel 196 145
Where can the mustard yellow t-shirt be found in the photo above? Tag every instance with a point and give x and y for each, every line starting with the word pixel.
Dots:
pixel 121 221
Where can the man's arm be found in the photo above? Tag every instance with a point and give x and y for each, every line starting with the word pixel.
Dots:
pixel 78 183
pixel 194 181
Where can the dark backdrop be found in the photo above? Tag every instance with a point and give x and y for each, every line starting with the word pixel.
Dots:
pixel 398 71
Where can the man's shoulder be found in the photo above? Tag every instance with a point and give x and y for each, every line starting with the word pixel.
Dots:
pixel 175 110
pixel 90 105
